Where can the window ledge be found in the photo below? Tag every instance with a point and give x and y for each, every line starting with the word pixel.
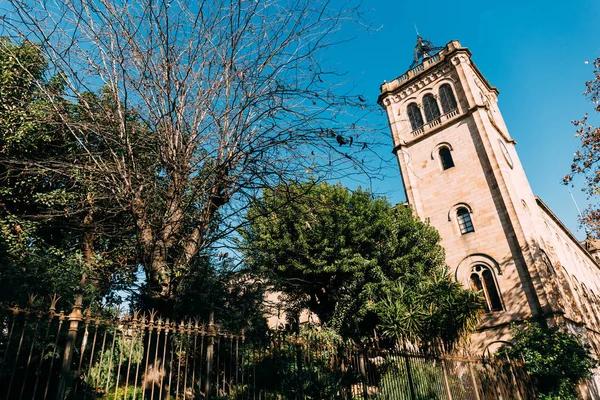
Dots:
pixel 436 122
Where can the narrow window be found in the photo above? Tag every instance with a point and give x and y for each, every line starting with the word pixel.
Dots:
pixel 414 116
pixel 446 158
pixel 447 98
pixel 464 220
pixel 432 111
pixel 482 281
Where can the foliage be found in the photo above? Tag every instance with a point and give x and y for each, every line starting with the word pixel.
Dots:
pixel 427 378
pixel 336 252
pixel 435 313
pixel 124 350
pixel 234 298
pixel 556 359
pixel 311 370
pixel 55 225
pixel 586 161
pixel 178 114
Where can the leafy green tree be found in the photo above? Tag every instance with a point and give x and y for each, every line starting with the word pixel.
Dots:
pixel 556 359
pixel 56 225
pixel 223 98
pixel 436 313
pixel 337 252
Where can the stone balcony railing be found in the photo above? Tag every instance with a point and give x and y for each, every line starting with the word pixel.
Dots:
pixel 432 124
pixel 390 86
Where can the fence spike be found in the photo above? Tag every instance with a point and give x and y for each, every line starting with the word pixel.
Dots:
pixel 152 315
pixel 53 301
pixel 32 298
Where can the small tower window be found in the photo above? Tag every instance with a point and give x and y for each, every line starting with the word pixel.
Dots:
pixel 482 281
pixel 432 111
pixel 446 158
pixel 414 115
pixel 447 98
pixel 464 221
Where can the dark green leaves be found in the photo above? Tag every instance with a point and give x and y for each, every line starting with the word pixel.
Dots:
pixel 355 261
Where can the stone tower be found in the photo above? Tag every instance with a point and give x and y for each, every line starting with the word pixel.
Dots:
pixel 461 172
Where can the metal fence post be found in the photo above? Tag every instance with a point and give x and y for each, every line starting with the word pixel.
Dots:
pixel 411 385
pixel 74 318
pixel 446 380
pixel 513 378
pixel 363 373
pixel 299 367
pixel 475 389
pixel 210 349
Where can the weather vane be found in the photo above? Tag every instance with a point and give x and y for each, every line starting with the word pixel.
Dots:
pixel 424 49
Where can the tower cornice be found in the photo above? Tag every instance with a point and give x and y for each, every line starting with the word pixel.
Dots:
pixel 451 52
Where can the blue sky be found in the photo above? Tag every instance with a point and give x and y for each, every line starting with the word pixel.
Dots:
pixel 534 52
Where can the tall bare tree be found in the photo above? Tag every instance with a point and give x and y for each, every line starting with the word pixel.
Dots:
pixel 186 110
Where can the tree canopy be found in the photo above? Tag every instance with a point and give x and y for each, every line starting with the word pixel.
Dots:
pixel 50 216
pixel 556 359
pixel 173 116
pixel 345 256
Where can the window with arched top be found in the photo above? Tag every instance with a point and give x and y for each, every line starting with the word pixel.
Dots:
pixel 482 280
pixel 447 98
pixel 414 116
pixel 589 305
pixel 432 111
pixel 446 158
pixel 465 224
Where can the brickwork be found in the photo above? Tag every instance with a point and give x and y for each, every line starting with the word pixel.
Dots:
pixel 538 267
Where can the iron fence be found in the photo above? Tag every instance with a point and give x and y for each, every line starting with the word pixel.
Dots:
pixel 51 354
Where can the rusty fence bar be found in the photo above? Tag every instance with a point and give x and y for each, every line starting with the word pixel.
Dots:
pixel 51 354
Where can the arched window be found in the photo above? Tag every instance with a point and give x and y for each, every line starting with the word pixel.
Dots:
pixel 589 305
pixel 414 116
pixel 464 220
pixel 447 98
pixel 432 111
pixel 482 280
pixel 446 158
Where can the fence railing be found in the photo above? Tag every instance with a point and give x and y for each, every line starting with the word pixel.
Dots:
pixel 48 354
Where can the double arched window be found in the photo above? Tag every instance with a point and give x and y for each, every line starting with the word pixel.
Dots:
pixel 447 98
pixel 465 224
pixel 432 111
pixel 431 108
pixel 482 281
pixel 414 116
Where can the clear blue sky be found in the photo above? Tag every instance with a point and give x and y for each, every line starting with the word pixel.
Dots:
pixel 534 52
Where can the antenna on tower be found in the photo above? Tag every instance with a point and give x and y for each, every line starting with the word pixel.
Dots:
pixel 587 231
pixel 416 30
pixel 575 202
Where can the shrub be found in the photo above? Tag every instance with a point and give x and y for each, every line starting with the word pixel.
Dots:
pixel 556 359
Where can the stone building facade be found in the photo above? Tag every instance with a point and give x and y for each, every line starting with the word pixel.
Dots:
pixel 461 172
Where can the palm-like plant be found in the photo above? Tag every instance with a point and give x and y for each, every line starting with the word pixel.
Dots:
pixel 435 314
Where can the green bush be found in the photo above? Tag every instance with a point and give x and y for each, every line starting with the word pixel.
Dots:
pixel 556 359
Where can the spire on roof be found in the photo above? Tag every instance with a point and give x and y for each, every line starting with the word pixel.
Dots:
pixel 423 50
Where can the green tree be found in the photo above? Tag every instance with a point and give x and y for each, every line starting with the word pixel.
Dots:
pixel 337 252
pixel 556 359
pixel 226 98
pixel 56 226
pixel 435 313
